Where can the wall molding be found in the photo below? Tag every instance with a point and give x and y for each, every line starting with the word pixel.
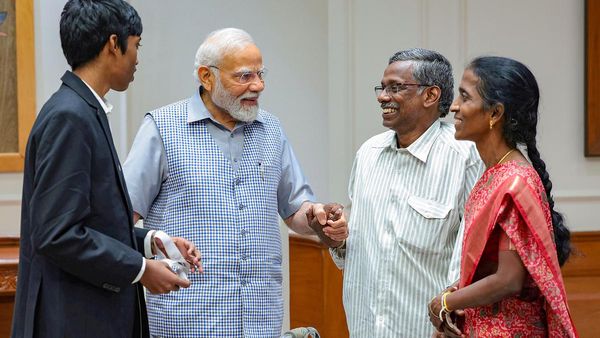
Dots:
pixel 576 195
pixel 10 200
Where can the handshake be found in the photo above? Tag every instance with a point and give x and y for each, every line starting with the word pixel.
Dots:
pixel 329 223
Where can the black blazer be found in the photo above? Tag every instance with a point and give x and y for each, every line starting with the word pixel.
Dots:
pixel 78 251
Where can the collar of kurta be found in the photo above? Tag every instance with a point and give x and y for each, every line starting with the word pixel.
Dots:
pixel 420 148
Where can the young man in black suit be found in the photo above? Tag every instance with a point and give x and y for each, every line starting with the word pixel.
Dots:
pixel 81 257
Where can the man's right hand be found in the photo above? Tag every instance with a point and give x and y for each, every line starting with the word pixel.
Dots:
pixel 158 278
pixel 320 216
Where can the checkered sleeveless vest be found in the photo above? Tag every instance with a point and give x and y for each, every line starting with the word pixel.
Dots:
pixel 232 218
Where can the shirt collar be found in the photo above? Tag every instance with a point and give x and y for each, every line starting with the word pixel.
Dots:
pixel 420 148
pixel 197 110
pixel 107 106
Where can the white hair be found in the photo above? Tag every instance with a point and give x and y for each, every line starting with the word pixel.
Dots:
pixel 217 44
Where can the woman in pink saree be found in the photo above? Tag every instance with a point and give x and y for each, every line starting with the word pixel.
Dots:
pixel 514 243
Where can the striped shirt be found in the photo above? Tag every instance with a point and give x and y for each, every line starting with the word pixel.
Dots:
pixel 406 213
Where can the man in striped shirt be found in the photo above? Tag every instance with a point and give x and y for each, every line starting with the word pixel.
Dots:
pixel 408 188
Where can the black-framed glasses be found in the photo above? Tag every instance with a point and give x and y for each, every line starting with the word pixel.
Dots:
pixel 247 77
pixel 396 88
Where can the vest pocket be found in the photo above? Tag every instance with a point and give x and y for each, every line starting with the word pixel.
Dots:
pixel 269 174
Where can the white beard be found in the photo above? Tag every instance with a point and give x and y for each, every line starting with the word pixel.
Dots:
pixel 233 105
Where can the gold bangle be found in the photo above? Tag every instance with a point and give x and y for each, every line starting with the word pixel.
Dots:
pixel 431 311
pixel 442 307
pixel 441 314
pixel 444 304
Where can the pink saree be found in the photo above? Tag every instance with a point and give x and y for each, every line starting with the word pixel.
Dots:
pixel 511 196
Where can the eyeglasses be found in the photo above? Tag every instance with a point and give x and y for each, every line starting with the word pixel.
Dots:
pixel 247 77
pixel 396 88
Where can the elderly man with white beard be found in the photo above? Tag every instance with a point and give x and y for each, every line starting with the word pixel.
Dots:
pixel 216 169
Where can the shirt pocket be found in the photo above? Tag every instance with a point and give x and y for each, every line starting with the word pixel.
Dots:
pixel 426 229
pixel 429 209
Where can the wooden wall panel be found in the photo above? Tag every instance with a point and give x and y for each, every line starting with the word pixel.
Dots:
pixel 316 285
pixel 9 253
pixel 315 288
pixel 581 274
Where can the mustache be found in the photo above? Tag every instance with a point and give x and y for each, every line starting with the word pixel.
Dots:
pixel 392 105
pixel 249 96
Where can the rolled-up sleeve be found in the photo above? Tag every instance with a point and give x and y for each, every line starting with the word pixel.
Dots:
pixel 293 189
pixel 146 167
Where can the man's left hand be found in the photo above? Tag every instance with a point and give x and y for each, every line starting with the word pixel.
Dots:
pixel 328 222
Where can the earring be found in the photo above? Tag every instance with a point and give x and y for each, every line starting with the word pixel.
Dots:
pixel 491 124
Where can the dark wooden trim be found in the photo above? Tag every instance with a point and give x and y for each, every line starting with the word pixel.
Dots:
pixel 311 240
pixel 592 78
pixel 9 241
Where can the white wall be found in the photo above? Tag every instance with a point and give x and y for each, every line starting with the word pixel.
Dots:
pixel 325 57
pixel 551 42
pixel 294 48
pixel 50 65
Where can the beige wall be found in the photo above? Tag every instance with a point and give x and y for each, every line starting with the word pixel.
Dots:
pixel 325 57
pixel 550 41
